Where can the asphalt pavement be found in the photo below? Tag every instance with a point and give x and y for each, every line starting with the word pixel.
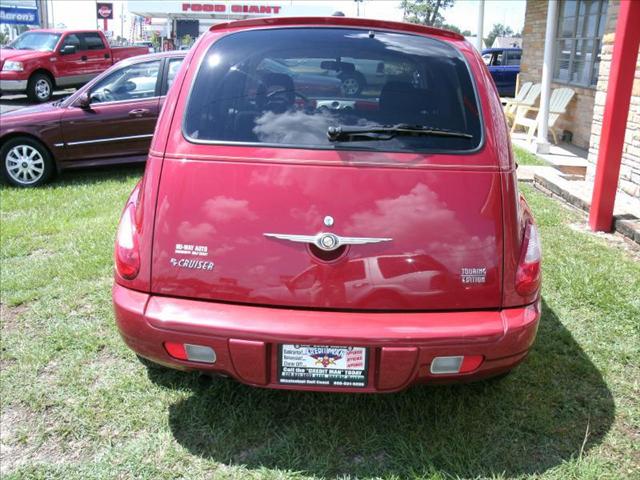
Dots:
pixel 14 102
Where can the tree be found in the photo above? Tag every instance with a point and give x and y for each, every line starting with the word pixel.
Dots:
pixel 425 12
pixel 498 30
pixel 449 27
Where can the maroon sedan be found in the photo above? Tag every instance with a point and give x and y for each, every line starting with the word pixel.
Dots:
pixel 110 120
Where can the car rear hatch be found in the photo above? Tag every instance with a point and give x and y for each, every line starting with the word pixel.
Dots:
pixel 221 232
pixel 251 182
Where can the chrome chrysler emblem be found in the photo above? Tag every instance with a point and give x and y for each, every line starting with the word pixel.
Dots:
pixel 327 241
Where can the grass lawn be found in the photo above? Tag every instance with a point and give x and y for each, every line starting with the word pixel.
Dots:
pixel 76 404
pixel 525 157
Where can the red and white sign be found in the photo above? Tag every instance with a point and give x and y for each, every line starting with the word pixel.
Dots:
pixel 234 8
pixel 104 11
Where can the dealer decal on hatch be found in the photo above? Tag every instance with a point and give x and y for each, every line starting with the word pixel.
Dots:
pixel 188 249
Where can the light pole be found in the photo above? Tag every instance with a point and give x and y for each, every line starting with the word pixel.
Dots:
pixel 358 2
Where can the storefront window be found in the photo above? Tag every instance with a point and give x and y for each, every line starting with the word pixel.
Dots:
pixel 579 37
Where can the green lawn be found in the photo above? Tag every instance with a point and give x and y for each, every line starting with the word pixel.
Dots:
pixel 525 157
pixel 76 404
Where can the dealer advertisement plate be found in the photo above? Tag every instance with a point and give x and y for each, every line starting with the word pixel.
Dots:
pixel 323 366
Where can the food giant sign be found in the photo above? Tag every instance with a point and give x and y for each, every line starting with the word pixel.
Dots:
pixel 236 8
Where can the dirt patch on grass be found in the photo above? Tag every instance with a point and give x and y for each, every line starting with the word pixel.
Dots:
pixel 26 438
pixel 11 316
pixel 612 239
pixel 40 253
pixel 105 364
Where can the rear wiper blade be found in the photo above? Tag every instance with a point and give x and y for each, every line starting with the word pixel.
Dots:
pixel 387 132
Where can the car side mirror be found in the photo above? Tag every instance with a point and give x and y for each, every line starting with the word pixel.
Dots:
pixel 68 49
pixel 84 101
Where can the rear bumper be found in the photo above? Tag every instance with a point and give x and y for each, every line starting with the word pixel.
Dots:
pixel 401 346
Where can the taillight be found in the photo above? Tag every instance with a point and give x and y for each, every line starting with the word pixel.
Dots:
pixel 127 249
pixel 528 273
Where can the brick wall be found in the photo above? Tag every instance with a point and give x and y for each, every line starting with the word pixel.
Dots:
pixel 584 115
pixel 580 110
pixel 630 169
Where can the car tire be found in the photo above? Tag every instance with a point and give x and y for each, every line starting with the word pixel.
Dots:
pixel 26 162
pixel 352 85
pixel 40 88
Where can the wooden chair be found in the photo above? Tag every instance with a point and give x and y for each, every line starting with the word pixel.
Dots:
pixel 521 108
pixel 558 103
pixel 511 103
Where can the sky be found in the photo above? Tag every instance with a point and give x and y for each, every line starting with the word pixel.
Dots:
pixel 81 13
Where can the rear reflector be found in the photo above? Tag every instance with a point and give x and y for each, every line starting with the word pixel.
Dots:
pixel 528 273
pixel 192 353
pixel 457 364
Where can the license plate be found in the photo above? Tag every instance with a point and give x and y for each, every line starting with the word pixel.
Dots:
pixel 324 366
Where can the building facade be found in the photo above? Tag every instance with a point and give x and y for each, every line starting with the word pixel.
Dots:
pixel 585 34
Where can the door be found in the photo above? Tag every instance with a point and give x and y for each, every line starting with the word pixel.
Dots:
pixel 171 68
pixel 98 54
pixel 496 68
pixel 511 70
pixel 70 66
pixel 122 116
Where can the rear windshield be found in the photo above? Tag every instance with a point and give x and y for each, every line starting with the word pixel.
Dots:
pixel 289 87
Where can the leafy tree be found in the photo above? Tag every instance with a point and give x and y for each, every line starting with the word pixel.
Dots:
pixel 155 39
pixel 452 28
pixel 498 30
pixel 425 12
pixel 466 33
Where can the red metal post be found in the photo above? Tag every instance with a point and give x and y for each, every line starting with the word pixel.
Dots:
pixel 106 25
pixel 616 111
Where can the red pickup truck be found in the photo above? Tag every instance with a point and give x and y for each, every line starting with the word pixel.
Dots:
pixel 40 60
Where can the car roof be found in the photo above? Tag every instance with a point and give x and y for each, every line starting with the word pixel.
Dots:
pixel 335 22
pixel 152 56
pixel 499 49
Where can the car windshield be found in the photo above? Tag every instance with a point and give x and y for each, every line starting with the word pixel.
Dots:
pixel 289 86
pixel 43 42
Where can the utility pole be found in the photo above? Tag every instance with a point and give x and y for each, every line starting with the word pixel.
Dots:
pixel 480 27
pixel 43 13
pixel 358 2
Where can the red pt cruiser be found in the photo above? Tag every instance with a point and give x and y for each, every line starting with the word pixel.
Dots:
pixel 329 242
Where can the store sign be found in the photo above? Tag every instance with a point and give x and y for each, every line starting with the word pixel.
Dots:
pixel 19 16
pixel 104 11
pixel 236 8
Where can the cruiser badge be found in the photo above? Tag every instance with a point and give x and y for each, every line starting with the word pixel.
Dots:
pixel 192 264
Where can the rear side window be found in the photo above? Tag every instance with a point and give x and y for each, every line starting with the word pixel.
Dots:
pixel 288 87
pixel 513 58
pixel 93 41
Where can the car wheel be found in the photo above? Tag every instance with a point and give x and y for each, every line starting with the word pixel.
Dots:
pixel 40 88
pixel 351 85
pixel 26 163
